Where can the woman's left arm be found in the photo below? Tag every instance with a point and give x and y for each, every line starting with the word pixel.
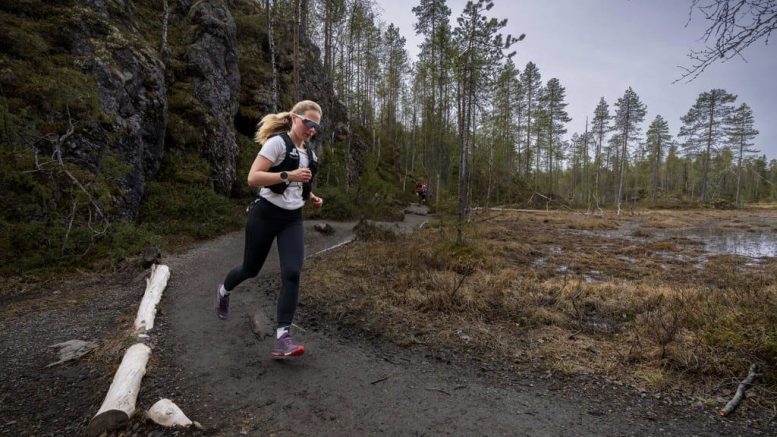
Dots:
pixel 317 201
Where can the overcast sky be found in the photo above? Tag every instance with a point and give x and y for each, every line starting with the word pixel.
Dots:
pixel 598 48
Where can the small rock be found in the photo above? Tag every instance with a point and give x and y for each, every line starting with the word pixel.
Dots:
pixel 72 350
pixel 261 325
pixel 325 228
pixel 151 255
pixel 166 413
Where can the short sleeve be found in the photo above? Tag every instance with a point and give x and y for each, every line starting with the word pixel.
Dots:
pixel 274 150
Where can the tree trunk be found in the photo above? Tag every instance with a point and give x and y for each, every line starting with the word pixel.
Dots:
pixel 528 132
pixel 656 168
pixel 296 39
pixel 739 167
pixel 328 38
pixel 586 185
pixel 304 18
pixel 711 119
pixel 623 161
pixel 268 5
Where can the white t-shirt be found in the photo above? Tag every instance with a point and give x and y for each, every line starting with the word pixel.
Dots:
pixel 274 150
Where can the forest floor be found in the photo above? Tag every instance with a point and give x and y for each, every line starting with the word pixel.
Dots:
pixel 410 335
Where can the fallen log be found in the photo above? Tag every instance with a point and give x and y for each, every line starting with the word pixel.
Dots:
pixel 155 285
pixel 740 394
pixel 119 403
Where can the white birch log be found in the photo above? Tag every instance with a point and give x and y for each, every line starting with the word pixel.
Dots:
pixel 166 413
pixel 155 286
pixel 119 403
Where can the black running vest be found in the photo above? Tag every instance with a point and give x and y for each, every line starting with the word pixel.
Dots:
pixel 291 163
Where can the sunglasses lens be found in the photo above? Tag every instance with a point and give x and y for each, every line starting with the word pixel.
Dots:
pixel 312 124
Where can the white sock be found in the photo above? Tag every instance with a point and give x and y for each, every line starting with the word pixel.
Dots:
pixel 280 331
pixel 222 291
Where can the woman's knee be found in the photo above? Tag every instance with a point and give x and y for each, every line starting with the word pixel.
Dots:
pixel 291 275
pixel 252 272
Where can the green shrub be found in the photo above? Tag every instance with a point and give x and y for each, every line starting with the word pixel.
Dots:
pixel 188 210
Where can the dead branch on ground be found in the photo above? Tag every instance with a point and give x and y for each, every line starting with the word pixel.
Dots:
pixel 740 394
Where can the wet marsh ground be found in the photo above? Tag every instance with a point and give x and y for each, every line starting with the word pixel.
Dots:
pixel 674 302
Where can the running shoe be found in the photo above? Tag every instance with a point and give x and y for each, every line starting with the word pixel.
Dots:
pixel 285 347
pixel 222 303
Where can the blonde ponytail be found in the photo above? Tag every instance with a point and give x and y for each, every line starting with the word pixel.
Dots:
pixel 272 123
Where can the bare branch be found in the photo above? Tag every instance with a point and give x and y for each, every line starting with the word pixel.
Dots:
pixel 69 225
pixel 734 26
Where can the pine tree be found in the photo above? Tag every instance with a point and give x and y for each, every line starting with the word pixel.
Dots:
pixel 741 131
pixel 394 66
pixel 673 169
pixel 576 144
pixel 600 127
pixel 433 23
pixel 332 15
pixel 585 188
pixel 630 112
pixel 658 138
pixel 506 111
pixel 479 45
pixel 703 128
pixel 553 102
pixel 531 82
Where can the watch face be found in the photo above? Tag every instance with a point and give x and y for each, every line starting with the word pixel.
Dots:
pixel 284 175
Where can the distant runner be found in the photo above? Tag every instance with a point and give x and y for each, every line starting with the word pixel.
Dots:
pixel 421 191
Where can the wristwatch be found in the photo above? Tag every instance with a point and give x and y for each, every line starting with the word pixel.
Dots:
pixel 284 176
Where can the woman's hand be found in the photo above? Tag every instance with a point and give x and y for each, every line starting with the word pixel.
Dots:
pixel 317 201
pixel 300 175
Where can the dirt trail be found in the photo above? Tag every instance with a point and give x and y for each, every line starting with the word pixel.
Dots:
pixel 223 376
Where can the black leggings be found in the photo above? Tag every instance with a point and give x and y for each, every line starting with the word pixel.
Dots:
pixel 266 222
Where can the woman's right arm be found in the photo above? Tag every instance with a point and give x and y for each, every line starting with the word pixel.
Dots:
pixel 258 176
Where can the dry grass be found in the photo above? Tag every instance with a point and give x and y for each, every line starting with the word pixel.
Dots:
pixel 658 316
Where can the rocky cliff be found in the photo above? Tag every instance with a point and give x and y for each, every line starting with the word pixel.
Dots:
pixel 87 81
